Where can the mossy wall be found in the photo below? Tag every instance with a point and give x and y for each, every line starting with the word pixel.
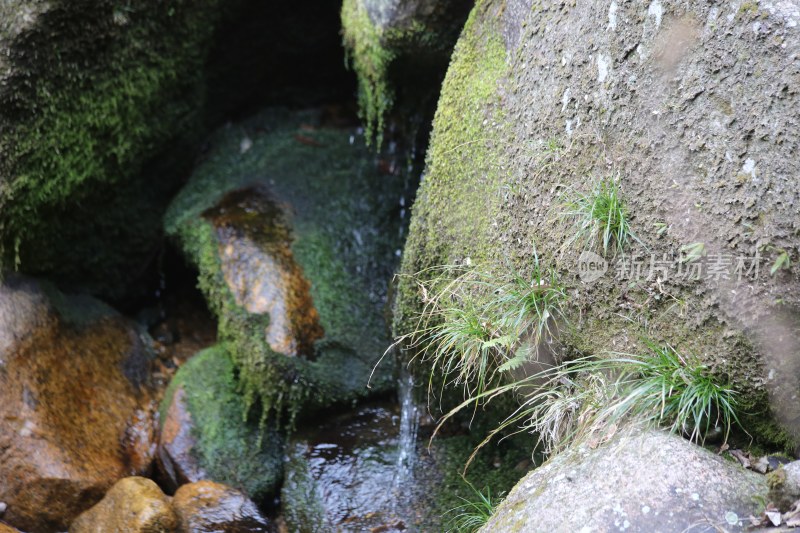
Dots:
pixel 92 92
pixel 543 100
pixel 104 104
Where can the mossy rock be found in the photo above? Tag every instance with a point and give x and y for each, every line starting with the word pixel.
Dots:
pixel 93 91
pixel 399 51
pixel 528 116
pixel 104 105
pixel 283 193
pixel 228 447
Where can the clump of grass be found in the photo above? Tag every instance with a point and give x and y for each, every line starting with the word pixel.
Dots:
pixel 474 513
pixel 600 217
pixel 587 398
pixel 473 324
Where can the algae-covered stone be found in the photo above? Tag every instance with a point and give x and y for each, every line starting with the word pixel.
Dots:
pixel 641 481
pixel 399 51
pixel 690 108
pixel 295 234
pixel 77 411
pixel 205 433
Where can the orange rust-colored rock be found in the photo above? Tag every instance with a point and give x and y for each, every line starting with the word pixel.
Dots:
pixel 260 270
pixel 177 442
pixel 5 528
pixel 75 410
pixel 206 506
pixel 132 505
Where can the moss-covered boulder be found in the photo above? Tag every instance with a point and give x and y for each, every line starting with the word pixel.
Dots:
pixel 91 93
pixel 295 234
pixel 205 432
pixel 103 105
pixel 77 409
pixel 399 51
pixel 690 109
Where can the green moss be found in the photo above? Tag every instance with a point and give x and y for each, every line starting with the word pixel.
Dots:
pixel 453 213
pixel 95 91
pixel 229 449
pixel 345 235
pixel 370 59
pixel 497 468
pixel 399 63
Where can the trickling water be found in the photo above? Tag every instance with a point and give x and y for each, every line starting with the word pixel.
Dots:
pixel 409 424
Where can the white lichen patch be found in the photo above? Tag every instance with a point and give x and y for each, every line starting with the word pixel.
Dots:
pixel 656 12
pixel 612 16
pixel 749 167
pixel 603 67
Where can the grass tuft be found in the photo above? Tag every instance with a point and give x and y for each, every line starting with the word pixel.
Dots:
pixel 586 399
pixel 600 217
pixel 475 327
pixel 474 513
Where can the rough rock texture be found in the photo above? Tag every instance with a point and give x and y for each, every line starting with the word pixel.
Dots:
pixel 207 507
pixel 132 505
pixel 103 104
pixel 641 481
pixel 784 486
pixel 399 50
pixel 295 233
pixel 204 433
pixel 76 410
pixel 691 107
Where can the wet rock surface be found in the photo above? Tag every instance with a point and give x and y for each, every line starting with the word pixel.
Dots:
pixel 204 433
pixel 76 410
pixel 641 481
pixel 206 507
pixel 132 505
pixel 260 271
pixel 295 233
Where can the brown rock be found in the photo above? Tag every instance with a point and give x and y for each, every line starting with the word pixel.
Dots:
pixel 132 505
pixel 206 506
pixel 177 442
pixel 5 528
pixel 75 411
pixel 260 270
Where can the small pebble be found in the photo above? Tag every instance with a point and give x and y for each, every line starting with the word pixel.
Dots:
pixel 3 507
